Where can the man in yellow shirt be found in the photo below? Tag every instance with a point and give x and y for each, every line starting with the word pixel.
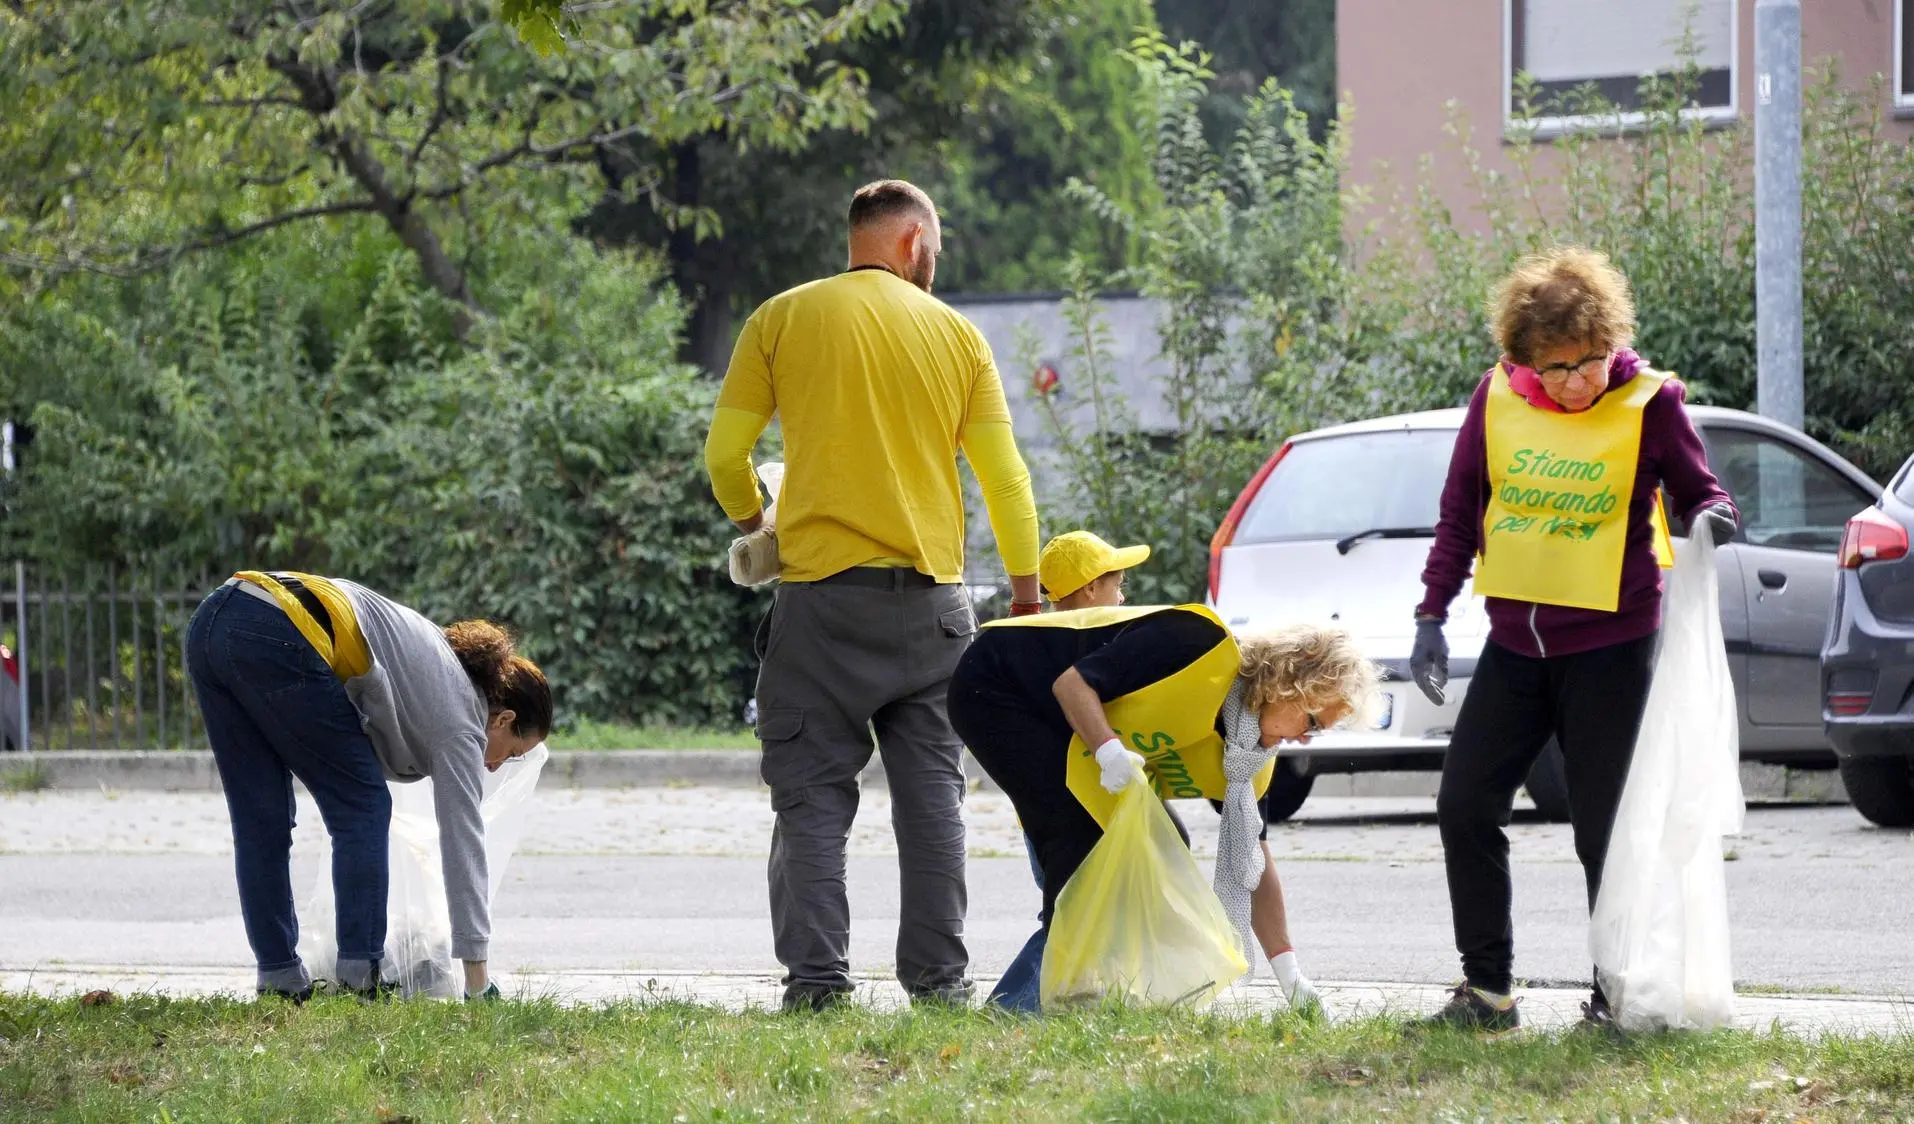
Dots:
pixel 877 386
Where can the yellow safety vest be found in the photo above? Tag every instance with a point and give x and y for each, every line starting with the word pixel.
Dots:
pixel 345 651
pixel 1556 526
pixel 1171 722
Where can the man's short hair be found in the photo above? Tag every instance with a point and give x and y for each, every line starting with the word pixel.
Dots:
pixel 888 199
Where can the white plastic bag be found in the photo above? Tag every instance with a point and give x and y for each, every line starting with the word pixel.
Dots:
pixel 1659 934
pixel 754 557
pixel 418 939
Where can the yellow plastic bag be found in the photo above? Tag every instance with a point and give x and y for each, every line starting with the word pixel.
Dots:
pixel 1138 921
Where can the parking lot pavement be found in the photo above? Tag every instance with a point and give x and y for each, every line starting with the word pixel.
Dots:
pixel 672 881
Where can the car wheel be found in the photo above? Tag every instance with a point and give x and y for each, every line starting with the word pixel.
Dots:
pixel 1288 788
pixel 1548 784
pixel 1881 789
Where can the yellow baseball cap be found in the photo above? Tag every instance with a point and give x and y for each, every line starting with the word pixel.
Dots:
pixel 1075 559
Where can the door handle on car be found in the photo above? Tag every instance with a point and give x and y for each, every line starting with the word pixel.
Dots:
pixel 1772 579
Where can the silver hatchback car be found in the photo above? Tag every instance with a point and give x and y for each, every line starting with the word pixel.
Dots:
pixel 1335 527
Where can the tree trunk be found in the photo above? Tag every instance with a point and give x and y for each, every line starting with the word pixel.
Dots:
pixel 318 96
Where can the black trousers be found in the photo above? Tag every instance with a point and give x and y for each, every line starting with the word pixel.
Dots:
pixel 1026 756
pixel 1591 703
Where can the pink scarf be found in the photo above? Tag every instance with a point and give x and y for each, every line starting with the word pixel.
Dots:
pixel 1524 380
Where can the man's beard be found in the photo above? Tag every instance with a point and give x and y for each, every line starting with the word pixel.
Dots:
pixel 923 267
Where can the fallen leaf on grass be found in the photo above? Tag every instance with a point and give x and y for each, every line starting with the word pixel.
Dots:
pixel 98 998
pixel 125 1076
pixel 950 1052
pixel 1819 1092
pixel 386 1116
pixel 1353 1076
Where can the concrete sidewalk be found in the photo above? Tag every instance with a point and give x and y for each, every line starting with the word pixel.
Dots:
pixel 1542 1008
pixel 193 771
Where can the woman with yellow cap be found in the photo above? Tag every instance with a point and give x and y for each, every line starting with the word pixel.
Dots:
pixel 1165 687
pixel 325 680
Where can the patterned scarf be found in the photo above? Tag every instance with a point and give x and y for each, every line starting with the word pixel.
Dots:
pixel 1239 854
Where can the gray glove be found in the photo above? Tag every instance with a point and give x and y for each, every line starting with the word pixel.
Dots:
pixel 1429 660
pixel 1720 519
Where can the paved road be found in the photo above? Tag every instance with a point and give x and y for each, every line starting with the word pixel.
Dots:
pixel 672 880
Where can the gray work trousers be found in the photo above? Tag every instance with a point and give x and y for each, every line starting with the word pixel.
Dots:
pixel 868 650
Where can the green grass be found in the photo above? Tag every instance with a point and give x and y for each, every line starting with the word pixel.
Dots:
pixel 26 778
pixel 149 1058
pixel 614 735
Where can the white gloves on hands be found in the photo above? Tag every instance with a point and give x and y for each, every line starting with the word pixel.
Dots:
pixel 1120 767
pixel 1301 994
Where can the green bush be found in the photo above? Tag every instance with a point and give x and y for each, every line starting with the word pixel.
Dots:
pixel 303 402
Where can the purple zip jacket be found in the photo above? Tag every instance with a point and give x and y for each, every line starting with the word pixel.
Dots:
pixel 1671 454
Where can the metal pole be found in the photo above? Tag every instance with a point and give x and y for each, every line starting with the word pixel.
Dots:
pixel 159 659
pixel 1778 210
pixel 20 657
pixel 66 652
pixel 46 671
pixel 113 643
pixel 185 677
pixel 92 680
pixel 139 655
pixel 20 609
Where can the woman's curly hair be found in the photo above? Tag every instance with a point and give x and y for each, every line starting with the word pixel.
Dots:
pixel 1315 668
pixel 1568 294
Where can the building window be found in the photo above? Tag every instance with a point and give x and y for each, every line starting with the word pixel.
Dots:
pixel 1904 54
pixel 1612 45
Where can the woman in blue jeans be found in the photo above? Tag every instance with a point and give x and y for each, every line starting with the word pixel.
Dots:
pixel 325 680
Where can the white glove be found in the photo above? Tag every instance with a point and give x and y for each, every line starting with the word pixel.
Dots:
pixel 1120 767
pixel 1297 989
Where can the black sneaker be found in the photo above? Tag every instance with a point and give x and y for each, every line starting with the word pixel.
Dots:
pixel 381 991
pixel 1597 1016
pixel 1467 1010
pixel 957 996
pixel 296 998
pixel 806 999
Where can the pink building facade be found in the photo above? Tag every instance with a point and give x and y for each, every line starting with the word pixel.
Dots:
pixel 1401 62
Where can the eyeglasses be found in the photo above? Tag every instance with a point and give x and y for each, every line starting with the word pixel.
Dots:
pixel 1587 367
pixel 1315 725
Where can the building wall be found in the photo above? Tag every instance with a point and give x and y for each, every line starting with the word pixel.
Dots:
pixel 1402 62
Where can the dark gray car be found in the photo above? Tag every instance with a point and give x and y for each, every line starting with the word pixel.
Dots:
pixel 1867 661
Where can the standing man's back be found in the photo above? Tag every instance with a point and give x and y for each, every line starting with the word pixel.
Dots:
pixel 878 385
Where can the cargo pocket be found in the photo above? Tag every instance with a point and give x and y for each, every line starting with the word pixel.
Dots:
pixel 958 623
pixel 777 729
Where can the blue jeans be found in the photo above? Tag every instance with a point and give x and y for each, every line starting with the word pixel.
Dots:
pixel 1021 988
pixel 273 711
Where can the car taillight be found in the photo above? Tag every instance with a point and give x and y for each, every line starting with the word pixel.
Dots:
pixel 1847 704
pixel 1850 691
pixel 1227 531
pixel 1872 537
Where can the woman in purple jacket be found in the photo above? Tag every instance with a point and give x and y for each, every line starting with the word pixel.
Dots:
pixel 1553 496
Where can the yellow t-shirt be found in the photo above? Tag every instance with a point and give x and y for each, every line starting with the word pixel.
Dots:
pixel 876 384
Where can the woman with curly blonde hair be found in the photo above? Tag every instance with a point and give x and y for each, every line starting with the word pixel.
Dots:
pixel 1062 709
pixel 1553 499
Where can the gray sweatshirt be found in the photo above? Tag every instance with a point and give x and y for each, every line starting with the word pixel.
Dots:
pixel 426 719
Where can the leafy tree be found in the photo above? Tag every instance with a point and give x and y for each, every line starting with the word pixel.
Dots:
pixel 1253 41
pixel 141 130
pixel 991 106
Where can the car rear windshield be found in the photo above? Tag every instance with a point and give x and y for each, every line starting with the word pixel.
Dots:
pixel 1335 486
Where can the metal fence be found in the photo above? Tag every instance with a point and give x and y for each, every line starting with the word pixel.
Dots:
pixel 99 659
